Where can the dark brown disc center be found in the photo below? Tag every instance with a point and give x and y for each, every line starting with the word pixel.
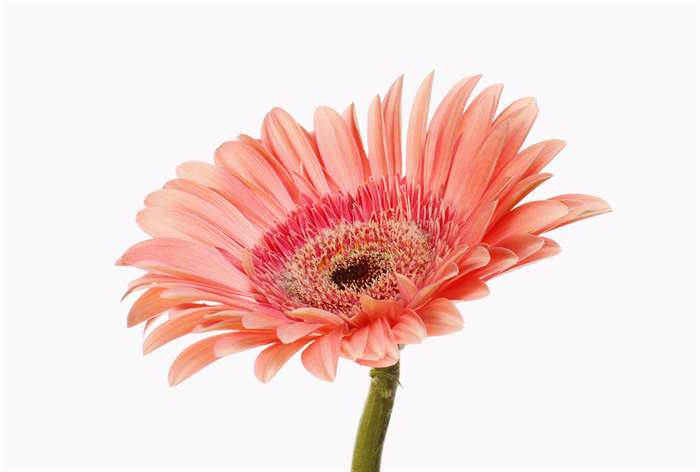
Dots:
pixel 358 273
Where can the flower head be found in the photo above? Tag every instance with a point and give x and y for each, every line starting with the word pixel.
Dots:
pixel 309 241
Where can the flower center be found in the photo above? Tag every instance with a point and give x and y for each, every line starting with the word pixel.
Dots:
pixel 332 270
pixel 330 252
pixel 360 272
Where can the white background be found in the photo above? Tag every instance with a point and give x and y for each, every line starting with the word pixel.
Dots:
pixel 586 360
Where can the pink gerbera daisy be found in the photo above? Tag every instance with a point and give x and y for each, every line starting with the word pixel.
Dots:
pixel 311 241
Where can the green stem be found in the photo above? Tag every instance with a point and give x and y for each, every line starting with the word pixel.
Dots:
pixel 374 423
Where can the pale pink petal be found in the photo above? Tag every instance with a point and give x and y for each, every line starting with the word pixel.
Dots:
pixel 478 223
pixel 354 345
pixel 245 162
pixel 230 187
pixel 528 218
pixel 232 343
pixel 282 172
pixel 426 292
pixel 477 257
pixel 391 344
pixel 415 142
pixel 579 207
pixel 441 316
pixel 376 347
pixel 183 258
pixel 472 176
pixel 517 192
pixel 476 122
pixel 212 292
pixel 183 194
pixel 410 329
pixel 338 150
pixel 442 134
pixel 206 351
pixel 391 113
pixel 316 315
pixel 386 361
pixel 551 149
pixel 288 141
pixel 272 358
pixel 151 303
pixel 321 356
pixel 167 223
pixel 179 326
pixel 523 245
pixel 375 141
pixel 522 114
pixel 549 249
pixel 290 332
pixel 407 288
pixel 514 170
pixel 464 288
pixel 501 259
pixel 473 129
pixel 350 117
pixel 379 308
pixel 263 320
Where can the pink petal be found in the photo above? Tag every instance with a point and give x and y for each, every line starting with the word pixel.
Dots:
pixel 245 162
pixel 282 172
pixel 183 258
pixel 476 122
pixel 196 198
pixel 501 259
pixel 427 291
pixel 579 207
pixel 441 316
pixel 354 345
pixel 243 198
pixel 415 141
pixel 391 113
pixel 472 176
pixel 180 326
pixel 476 258
pixel 166 223
pixel 291 332
pixel 528 218
pixel 407 288
pixel 517 192
pixel 287 140
pixel 316 315
pixel 379 308
pixel 522 114
pixel 206 351
pixel 386 361
pixel 350 118
pixel 523 245
pixel 514 170
pixel 551 149
pixel 321 356
pixel 262 320
pixel 151 303
pixel 549 249
pixel 338 150
pixel 442 134
pixel 375 141
pixel 478 223
pixel 464 288
pixel 410 329
pixel 272 358
pixel 391 344
pixel 376 342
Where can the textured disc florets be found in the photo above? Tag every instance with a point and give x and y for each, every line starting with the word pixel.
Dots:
pixel 329 253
